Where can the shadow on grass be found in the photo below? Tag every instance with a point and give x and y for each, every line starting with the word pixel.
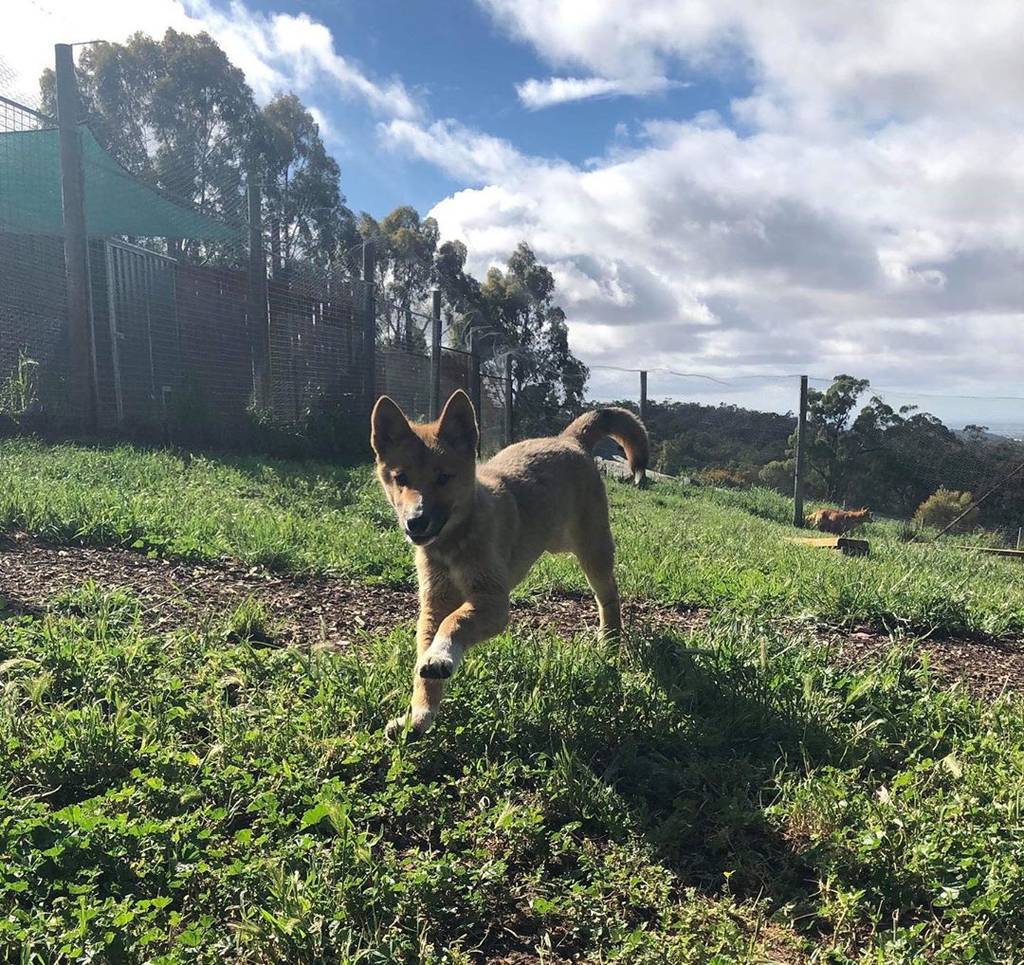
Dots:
pixel 700 795
pixel 673 744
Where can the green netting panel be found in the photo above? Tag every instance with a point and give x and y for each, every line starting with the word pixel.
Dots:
pixel 116 203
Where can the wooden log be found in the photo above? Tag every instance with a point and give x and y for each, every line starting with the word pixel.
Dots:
pixel 846 545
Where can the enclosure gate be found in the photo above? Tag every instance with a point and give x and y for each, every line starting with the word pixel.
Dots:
pixel 144 333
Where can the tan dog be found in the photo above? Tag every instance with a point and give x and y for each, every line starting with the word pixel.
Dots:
pixel 837 521
pixel 477 531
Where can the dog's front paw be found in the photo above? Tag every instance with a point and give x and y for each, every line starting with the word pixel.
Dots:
pixel 418 725
pixel 440 661
pixel 439 666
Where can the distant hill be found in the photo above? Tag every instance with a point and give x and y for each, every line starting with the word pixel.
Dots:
pixel 688 436
pixel 994 434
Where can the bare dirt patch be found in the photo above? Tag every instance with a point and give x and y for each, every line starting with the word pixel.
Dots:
pixel 333 612
pixel 309 611
pixel 987 667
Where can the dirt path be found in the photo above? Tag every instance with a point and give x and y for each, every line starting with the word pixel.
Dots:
pixel 334 611
pixel 324 610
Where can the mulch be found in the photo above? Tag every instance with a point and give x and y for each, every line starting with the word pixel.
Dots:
pixel 986 666
pixel 335 612
pixel 311 611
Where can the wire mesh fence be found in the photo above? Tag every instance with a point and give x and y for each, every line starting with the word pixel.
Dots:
pixel 33 304
pixel 493 427
pixel 196 317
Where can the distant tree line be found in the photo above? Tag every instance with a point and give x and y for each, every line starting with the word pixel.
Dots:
pixel 860 452
pixel 689 438
pixel 176 113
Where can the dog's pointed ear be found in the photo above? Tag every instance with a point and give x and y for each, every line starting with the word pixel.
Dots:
pixel 457 426
pixel 388 427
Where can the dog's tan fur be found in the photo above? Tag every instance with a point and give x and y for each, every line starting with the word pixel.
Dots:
pixel 837 521
pixel 480 529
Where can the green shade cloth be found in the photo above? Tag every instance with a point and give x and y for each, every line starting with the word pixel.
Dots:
pixel 116 202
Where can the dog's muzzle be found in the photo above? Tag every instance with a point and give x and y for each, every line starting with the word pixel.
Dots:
pixel 422 528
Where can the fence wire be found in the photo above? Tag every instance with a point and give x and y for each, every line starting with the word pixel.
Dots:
pixel 199 323
pixel 33 299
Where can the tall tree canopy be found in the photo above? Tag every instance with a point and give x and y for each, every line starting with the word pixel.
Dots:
pixel 178 114
pixel 405 247
pixel 548 381
pixel 304 209
pixel 461 297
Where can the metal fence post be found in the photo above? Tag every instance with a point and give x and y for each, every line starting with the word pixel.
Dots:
pixel 369 327
pixel 801 445
pixel 81 386
pixel 643 396
pixel 435 354
pixel 475 391
pixel 508 399
pixel 259 322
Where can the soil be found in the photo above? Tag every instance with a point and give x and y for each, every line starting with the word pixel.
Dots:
pixel 335 612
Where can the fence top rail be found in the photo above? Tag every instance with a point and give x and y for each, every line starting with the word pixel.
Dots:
pixel 38 115
pixel 139 250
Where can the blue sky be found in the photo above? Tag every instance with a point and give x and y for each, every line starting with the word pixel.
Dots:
pixel 461 65
pixel 777 188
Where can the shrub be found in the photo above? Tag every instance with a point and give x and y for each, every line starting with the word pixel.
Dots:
pixel 738 478
pixel 778 475
pixel 945 505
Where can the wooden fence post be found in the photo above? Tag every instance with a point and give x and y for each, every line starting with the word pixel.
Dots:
pixel 435 354
pixel 643 396
pixel 801 445
pixel 369 327
pixel 81 386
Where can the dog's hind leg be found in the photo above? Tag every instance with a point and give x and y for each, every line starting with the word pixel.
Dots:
pixel 596 553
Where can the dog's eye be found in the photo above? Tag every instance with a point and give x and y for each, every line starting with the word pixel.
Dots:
pixel 442 478
pixel 401 479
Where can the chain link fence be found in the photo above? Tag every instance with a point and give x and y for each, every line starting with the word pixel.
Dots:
pixel 181 324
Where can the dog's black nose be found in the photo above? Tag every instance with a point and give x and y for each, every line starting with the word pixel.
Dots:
pixel 417 525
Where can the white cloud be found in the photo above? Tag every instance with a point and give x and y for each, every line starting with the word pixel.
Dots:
pixel 879 58
pixel 536 94
pixel 869 217
pixel 276 51
pixel 463 153
pixel 283 51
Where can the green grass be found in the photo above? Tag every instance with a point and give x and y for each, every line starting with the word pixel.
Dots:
pixel 706 547
pixel 286 516
pixel 731 795
pixel 174 798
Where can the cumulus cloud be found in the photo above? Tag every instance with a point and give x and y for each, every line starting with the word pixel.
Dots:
pixel 463 153
pixel 283 51
pixel 882 58
pixel 536 94
pixel 276 51
pixel 860 208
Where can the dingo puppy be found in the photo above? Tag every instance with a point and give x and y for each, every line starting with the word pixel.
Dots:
pixel 478 530
pixel 838 521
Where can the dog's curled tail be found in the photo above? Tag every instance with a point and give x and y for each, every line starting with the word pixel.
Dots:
pixel 622 426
